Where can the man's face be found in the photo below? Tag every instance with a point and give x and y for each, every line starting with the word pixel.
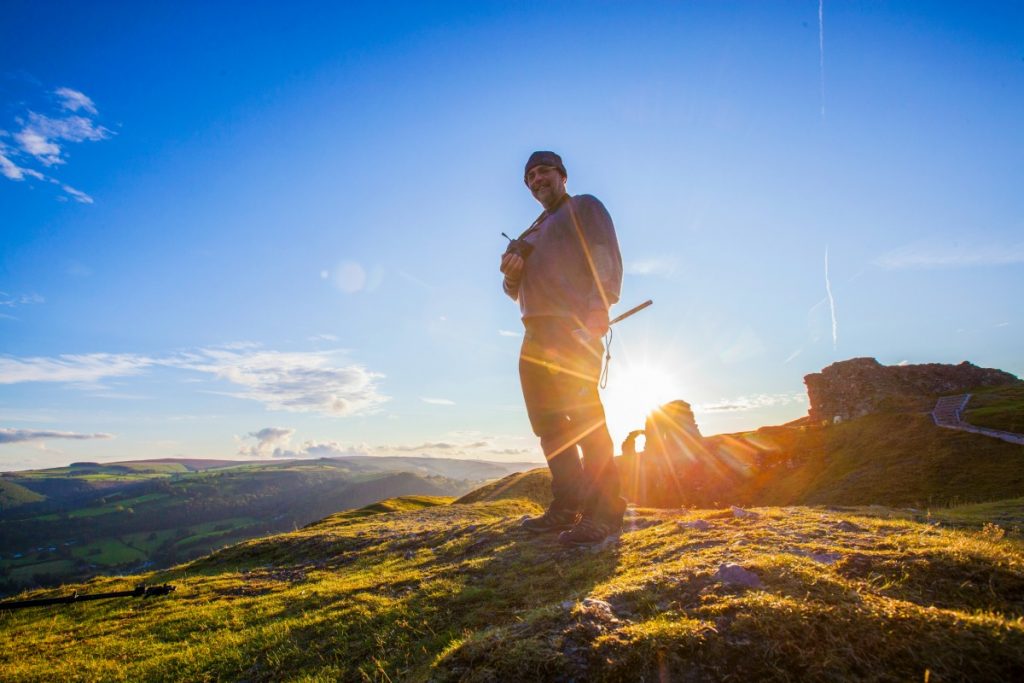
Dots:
pixel 546 184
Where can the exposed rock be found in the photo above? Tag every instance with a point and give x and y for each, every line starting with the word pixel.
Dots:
pixel 737 575
pixel 599 608
pixel 697 525
pixel 740 513
pixel 825 558
pixel 861 386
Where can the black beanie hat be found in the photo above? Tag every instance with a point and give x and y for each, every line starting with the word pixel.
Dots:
pixel 545 159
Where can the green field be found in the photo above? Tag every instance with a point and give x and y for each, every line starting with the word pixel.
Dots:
pixel 25 572
pixel 109 552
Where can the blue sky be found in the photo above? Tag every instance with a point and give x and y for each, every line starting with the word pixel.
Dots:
pixel 245 230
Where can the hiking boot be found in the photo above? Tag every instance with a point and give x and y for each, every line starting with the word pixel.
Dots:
pixel 613 517
pixel 588 531
pixel 553 519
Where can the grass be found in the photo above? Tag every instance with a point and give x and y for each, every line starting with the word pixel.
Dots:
pixel 998 408
pixel 419 590
pixel 895 460
pixel 12 495
pixel 27 571
pixel 108 552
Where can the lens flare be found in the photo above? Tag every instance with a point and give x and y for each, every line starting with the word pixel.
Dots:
pixel 634 391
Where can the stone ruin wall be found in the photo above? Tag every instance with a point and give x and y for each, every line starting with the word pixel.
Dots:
pixel 860 386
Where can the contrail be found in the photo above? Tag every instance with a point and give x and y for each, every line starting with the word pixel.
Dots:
pixel 821 53
pixel 831 304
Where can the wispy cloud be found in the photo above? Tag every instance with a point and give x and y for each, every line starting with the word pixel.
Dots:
pixel 658 265
pixel 72 368
pixel 12 300
pixel 312 382
pixel 291 381
pixel 22 435
pixel 930 255
pixel 73 100
pixel 41 135
pixel 41 138
pixel 436 446
pixel 752 402
pixel 437 401
pixel 509 333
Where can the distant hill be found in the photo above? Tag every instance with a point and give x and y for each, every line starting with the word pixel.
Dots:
pixel 414 590
pixel 533 485
pixel 74 522
pixel 12 495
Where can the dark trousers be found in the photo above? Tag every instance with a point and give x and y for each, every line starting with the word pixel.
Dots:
pixel 559 376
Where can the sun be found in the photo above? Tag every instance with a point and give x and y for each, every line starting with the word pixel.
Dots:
pixel 634 390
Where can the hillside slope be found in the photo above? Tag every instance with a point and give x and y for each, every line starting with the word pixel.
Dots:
pixel 886 459
pixel 13 494
pixel 415 590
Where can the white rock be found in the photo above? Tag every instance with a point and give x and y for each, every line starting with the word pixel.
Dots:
pixel 743 514
pixel 697 524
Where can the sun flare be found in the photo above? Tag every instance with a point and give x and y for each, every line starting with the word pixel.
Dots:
pixel 634 391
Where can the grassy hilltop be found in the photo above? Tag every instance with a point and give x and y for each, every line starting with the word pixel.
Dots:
pixel 419 589
pixel 828 585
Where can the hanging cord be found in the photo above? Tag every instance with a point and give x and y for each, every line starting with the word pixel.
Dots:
pixel 607 358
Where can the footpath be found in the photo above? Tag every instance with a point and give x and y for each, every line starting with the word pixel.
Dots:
pixel 948 413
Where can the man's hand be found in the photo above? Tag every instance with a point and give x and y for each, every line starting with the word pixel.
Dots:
pixel 512 267
pixel 596 323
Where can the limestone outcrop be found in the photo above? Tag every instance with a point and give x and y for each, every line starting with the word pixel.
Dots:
pixel 861 386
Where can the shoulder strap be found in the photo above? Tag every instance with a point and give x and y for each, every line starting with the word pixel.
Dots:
pixel 544 214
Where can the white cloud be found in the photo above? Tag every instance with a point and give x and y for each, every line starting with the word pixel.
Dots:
pixel 86 368
pixel 658 265
pixel 12 300
pixel 73 100
pixel 268 440
pixel 291 381
pixel 437 401
pixel 752 402
pixel 509 333
pixel 328 449
pixel 294 382
pixel 437 446
pixel 41 139
pixel 22 435
pixel 275 442
pixel 11 170
pixel 40 134
pixel 930 255
pixel 77 195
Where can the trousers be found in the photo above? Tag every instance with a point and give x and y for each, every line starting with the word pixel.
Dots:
pixel 559 375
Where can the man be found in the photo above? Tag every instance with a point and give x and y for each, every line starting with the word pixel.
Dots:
pixel 565 278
